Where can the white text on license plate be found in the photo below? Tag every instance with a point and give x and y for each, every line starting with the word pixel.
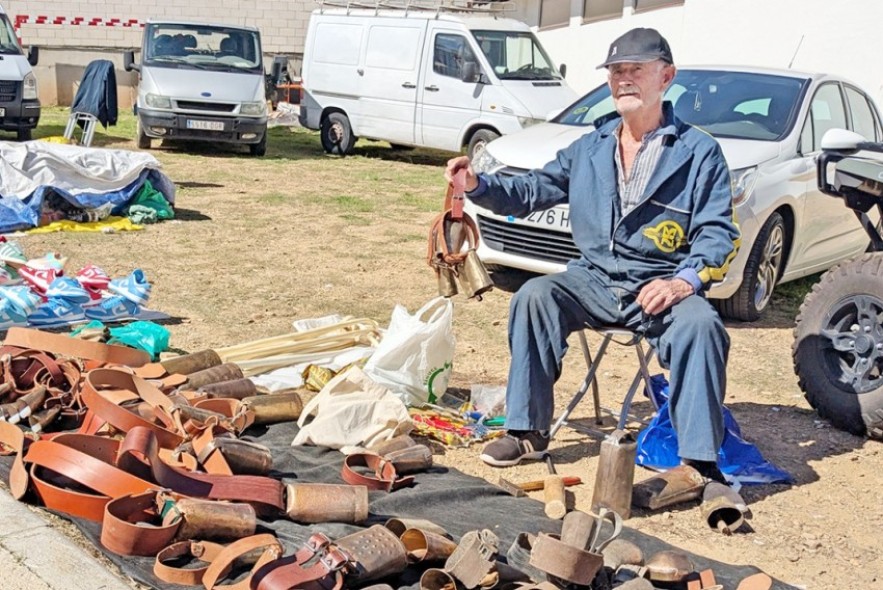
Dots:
pixel 205 125
pixel 552 218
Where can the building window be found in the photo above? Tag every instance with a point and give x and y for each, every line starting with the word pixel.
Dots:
pixel 601 9
pixel 651 4
pixel 554 13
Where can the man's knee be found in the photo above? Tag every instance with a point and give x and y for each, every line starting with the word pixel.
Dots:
pixel 535 293
pixel 699 318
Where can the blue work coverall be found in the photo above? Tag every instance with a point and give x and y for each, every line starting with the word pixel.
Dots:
pixel 683 226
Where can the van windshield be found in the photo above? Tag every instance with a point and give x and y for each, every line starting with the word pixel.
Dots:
pixel 516 55
pixel 202 47
pixel 8 41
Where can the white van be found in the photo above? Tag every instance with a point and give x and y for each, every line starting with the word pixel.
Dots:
pixel 19 105
pixel 443 77
pixel 201 82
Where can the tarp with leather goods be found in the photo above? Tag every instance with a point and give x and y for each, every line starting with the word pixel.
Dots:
pixel 86 177
pixel 457 502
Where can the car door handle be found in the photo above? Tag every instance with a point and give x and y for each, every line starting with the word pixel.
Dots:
pixel 409 85
pixel 432 88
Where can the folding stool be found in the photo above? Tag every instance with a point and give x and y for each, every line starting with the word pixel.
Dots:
pixel 620 336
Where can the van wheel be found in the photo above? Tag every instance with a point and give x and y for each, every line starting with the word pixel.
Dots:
pixel 479 141
pixel 762 271
pixel 337 134
pixel 23 135
pixel 141 138
pixel 259 148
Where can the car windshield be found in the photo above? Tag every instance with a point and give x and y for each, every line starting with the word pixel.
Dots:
pixel 8 41
pixel 202 47
pixel 736 105
pixel 516 55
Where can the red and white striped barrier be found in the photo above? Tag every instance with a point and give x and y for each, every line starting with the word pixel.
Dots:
pixel 22 19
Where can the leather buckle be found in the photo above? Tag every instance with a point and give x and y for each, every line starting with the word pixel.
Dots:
pixel 334 559
pixel 317 542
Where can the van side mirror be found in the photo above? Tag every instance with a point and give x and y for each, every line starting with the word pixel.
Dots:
pixel 33 55
pixel 129 62
pixel 470 72
pixel 563 69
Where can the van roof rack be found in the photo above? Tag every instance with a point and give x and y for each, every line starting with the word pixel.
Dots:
pixel 492 7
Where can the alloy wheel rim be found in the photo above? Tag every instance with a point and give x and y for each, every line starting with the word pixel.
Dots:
pixel 768 269
pixel 852 343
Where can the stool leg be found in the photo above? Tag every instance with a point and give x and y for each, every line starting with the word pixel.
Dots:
pixel 589 379
pixel 643 374
pixel 644 360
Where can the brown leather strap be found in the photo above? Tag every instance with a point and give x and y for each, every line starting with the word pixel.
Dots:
pixel 140 450
pixel 13 441
pixel 132 526
pixel 318 565
pixel 201 550
pixel 85 461
pixel 223 562
pixel 383 478
pixel 121 418
pixel 67 346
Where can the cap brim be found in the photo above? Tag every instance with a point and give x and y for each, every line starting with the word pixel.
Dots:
pixel 641 59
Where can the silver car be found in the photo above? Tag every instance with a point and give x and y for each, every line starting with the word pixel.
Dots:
pixel 769 124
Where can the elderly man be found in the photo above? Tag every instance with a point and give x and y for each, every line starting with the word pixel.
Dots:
pixel 652 214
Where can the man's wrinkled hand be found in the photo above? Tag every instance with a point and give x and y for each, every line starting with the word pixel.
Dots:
pixel 462 163
pixel 660 294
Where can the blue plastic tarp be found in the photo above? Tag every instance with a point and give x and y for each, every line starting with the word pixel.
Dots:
pixel 738 459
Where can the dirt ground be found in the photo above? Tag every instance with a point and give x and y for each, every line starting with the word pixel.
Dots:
pixel 261 242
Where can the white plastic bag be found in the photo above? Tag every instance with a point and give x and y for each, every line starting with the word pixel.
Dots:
pixel 415 358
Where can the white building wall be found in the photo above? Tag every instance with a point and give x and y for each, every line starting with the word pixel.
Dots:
pixel 842 37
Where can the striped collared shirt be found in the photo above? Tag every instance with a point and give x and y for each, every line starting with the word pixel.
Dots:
pixel 631 189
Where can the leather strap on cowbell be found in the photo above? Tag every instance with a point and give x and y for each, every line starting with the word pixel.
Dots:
pixel 384 476
pixel 441 252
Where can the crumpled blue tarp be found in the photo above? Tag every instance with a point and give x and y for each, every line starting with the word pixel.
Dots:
pixel 738 459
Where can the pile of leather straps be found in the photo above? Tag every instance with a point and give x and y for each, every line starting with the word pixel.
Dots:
pixel 151 451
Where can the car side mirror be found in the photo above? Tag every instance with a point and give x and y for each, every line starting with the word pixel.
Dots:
pixel 563 69
pixel 841 140
pixel 129 62
pixel 33 55
pixel 470 72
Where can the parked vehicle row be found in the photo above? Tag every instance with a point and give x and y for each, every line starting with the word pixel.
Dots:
pixel 769 123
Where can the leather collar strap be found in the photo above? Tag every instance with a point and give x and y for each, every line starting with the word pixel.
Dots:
pixel 222 564
pixel 318 565
pixel 383 478
pixel 201 550
pixel 86 460
pixel 140 450
pixel 67 346
pixel 130 526
pixel 13 441
pixel 121 418
pixel 564 561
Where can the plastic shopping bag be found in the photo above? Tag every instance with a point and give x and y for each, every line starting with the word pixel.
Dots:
pixel 415 358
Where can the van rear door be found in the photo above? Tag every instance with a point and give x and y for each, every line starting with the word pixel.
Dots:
pixel 389 73
pixel 447 104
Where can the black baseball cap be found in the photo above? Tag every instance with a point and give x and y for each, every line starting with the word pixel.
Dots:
pixel 638 45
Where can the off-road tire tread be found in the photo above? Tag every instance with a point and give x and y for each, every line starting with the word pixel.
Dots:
pixel 817 394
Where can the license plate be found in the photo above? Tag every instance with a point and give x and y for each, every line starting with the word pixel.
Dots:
pixel 205 125
pixel 2 112
pixel 556 218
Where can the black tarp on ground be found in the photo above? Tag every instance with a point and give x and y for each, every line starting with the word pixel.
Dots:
pixel 454 500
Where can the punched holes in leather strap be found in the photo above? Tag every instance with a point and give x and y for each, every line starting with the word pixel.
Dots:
pixel 384 476
pixel 201 550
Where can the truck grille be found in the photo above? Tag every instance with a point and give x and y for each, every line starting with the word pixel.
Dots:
pixel 533 242
pixel 214 107
pixel 8 90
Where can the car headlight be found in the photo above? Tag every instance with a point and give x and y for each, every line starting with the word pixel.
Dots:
pixel 528 121
pixel 158 102
pixel 485 162
pixel 253 108
pixel 742 181
pixel 29 87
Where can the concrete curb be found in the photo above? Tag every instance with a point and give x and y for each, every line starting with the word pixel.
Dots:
pixel 36 556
